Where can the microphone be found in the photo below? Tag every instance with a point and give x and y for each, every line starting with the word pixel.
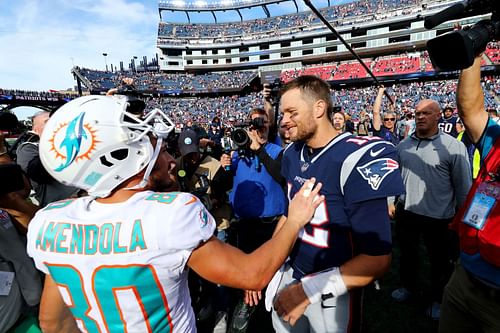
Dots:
pixel 446 14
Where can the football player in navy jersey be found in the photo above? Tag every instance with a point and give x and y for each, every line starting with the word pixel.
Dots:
pixel 448 122
pixel 347 243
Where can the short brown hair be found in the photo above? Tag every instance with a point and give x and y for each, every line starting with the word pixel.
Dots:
pixel 313 87
pixel 258 111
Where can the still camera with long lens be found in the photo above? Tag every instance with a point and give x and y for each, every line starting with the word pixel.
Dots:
pixel 457 49
pixel 240 135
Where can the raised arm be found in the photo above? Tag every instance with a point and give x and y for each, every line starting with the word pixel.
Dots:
pixel 470 101
pixel 377 110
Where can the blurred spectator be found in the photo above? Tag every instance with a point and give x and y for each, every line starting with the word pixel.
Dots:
pixel 365 125
pixel 46 189
pixel 448 122
pixel 384 125
pixel 338 121
pixel 494 115
pixel 435 169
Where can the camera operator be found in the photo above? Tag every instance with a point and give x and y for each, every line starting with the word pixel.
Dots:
pixel 257 199
pixel 47 189
pixel 471 301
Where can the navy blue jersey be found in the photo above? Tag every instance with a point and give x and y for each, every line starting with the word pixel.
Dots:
pixel 449 125
pixel 357 174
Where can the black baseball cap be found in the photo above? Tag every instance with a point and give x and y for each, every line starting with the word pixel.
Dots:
pixel 188 142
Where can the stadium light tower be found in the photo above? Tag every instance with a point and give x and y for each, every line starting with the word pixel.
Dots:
pixel 105 60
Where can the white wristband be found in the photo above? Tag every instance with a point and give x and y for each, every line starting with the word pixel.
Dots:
pixel 323 283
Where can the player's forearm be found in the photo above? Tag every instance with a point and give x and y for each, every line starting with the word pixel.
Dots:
pixel 363 269
pixel 268 258
pixel 279 225
pixel 334 282
pixel 470 100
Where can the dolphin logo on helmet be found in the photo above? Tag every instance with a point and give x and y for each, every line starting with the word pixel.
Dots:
pixel 72 141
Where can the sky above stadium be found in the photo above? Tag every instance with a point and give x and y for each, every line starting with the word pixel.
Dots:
pixel 41 40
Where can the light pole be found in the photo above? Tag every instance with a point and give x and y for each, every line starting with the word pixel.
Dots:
pixel 135 68
pixel 105 60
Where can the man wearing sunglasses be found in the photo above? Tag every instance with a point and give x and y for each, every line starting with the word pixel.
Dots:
pixel 384 126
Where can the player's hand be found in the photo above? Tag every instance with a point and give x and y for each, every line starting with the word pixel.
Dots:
pixel 225 160
pixel 291 303
pixel 252 297
pixel 392 210
pixel 254 140
pixel 305 202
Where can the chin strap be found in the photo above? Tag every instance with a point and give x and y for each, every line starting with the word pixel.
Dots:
pixel 150 166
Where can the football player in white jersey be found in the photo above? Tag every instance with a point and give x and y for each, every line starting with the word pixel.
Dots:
pixel 118 258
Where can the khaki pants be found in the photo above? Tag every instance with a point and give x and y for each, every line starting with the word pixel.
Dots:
pixel 469 306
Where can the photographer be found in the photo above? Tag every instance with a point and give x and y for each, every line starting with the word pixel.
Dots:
pixel 257 198
pixel 471 301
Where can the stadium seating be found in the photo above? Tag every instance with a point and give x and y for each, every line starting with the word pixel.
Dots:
pixel 359 11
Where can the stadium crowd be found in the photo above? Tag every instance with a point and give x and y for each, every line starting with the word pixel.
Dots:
pixel 409 63
pixel 345 14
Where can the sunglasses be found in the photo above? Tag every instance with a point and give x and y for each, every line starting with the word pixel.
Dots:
pixel 391 119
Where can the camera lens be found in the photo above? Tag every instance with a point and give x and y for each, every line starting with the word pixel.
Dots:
pixel 240 137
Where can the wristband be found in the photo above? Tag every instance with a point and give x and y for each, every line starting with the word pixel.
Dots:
pixel 328 282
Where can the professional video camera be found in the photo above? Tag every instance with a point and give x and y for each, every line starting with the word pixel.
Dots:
pixel 456 50
pixel 275 87
pixel 239 134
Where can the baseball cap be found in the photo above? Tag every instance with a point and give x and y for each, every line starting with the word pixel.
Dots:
pixel 188 142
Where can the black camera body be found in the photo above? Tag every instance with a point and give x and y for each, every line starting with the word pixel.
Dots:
pixel 201 192
pixel 275 87
pixel 457 49
pixel 239 134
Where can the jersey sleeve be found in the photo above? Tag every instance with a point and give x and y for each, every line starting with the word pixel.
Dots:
pixel 189 224
pixel 375 175
pixel 490 134
pixel 371 228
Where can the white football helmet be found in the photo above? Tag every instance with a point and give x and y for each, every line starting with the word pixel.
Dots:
pixel 95 143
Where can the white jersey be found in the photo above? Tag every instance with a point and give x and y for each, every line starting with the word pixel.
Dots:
pixel 121 267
